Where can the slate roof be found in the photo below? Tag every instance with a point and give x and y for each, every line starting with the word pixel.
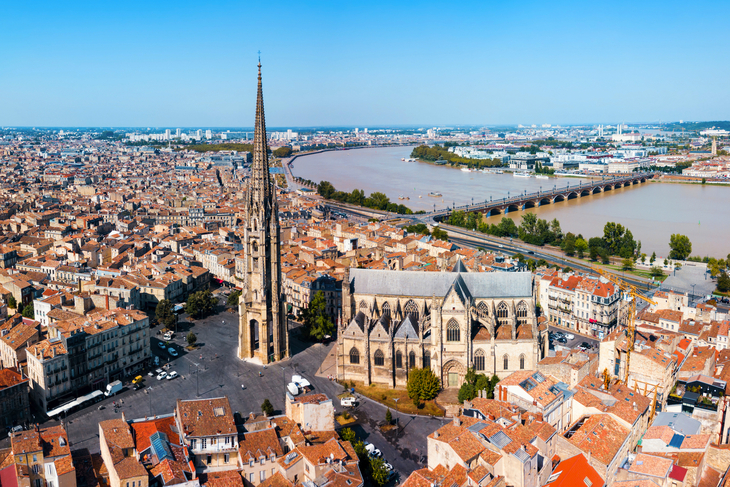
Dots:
pixel 415 283
pixel 679 422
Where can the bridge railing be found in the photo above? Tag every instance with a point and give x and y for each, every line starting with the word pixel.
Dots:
pixel 540 194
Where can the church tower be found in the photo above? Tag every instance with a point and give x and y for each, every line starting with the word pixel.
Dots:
pixel 263 333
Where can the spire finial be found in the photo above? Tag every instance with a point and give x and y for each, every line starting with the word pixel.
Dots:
pixel 259 62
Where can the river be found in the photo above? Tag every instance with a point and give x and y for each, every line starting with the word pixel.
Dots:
pixel 652 211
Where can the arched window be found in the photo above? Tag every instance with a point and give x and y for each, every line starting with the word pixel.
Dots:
pixel 412 360
pixel 522 361
pixel 254 246
pixel 363 305
pixel 379 358
pixel 483 310
pixel 386 309
pixel 398 359
pixel 522 313
pixel 354 356
pixel 479 360
pixel 426 361
pixel 502 313
pixel 411 309
pixel 505 361
pixel 453 333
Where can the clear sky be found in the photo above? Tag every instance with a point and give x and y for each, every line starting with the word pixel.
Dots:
pixel 193 64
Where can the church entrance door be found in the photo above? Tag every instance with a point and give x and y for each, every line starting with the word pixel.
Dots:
pixel 453 379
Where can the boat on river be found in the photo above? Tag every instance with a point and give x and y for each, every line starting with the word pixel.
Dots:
pixel 541 176
pixel 466 169
pixel 522 174
pixel 435 194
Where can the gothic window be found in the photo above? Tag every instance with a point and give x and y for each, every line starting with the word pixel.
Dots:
pixel 522 362
pixel 502 313
pixel 479 360
pixel 354 356
pixel 412 360
pixel 505 364
pixel 386 309
pixel 398 360
pixel 426 361
pixel 453 333
pixel 254 246
pixel 379 358
pixel 483 310
pixel 522 313
pixel 411 309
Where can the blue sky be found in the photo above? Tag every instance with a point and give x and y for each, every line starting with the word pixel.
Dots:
pixel 193 64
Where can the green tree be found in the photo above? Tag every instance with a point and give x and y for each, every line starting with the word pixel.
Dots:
pixel 569 244
pixel 283 151
pixel 580 247
pixel 317 323
pixel 652 258
pixel 233 298
pixel 379 473
pixel 422 384
pixel 325 189
pixel 680 247
pixel 723 282
pixel 380 200
pixel 191 338
pixel 388 417
pixel 348 435
pixel 440 234
pixel 164 314
pixel 605 258
pixel 593 253
pixel 200 304
pixel 507 228
pixel 467 392
pixel 628 264
pixel 267 408
pixel 613 234
pixel 666 262
pixel 29 311
pixel 12 302
pixel 656 271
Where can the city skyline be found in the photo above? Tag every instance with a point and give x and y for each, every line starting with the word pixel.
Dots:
pixel 177 64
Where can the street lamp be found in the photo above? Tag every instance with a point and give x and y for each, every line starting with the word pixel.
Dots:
pixel 149 393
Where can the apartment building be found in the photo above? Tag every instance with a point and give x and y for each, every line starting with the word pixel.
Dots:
pixel 14 405
pixel 208 430
pixel 42 458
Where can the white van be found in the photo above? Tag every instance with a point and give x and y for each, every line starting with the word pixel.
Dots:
pixel 292 388
pixel 348 402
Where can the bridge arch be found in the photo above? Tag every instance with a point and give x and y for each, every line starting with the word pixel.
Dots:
pixel 530 204
pixel 572 195
pixel 513 207
pixel 493 211
pixel 558 197
pixel 597 189
pixel 586 192
pixel 545 201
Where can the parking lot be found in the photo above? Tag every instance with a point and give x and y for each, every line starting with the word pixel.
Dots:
pixel 577 341
pixel 213 370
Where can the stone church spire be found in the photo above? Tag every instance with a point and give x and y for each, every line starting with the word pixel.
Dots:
pixel 263 332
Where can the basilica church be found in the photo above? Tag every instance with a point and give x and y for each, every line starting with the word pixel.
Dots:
pixel 394 321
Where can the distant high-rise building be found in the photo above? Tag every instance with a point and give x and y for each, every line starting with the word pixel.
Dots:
pixel 167 134
pixel 262 331
pixel 208 134
pixel 356 130
pixel 177 133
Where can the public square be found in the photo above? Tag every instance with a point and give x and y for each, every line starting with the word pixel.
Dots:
pixel 220 373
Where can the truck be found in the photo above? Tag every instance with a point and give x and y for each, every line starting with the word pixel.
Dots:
pixel 113 387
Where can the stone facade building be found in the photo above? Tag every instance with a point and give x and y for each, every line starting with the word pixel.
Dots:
pixel 393 321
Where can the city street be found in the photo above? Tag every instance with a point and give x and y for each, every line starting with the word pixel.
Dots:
pixel 220 373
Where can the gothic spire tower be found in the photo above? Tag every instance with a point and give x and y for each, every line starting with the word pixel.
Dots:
pixel 262 330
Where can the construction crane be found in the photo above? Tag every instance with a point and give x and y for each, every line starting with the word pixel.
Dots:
pixel 633 292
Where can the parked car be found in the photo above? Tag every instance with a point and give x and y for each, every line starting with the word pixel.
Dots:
pixel 372 451
pixel 569 336
pixel 171 375
pixel 172 352
pixel 157 360
pixel 349 402
pixel 168 336
pixel 161 375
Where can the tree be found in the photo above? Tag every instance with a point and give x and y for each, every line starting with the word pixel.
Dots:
pixel 379 473
pixel 191 338
pixel 656 271
pixel 164 314
pixel 580 247
pixel 680 247
pixel 569 244
pixel 317 323
pixel 29 311
pixel 723 282
pixel 653 258
pixel 233 298
pixel 12 302
pixel 593 253
pixel 283 151
pixel 325 189
pixel 200 304
pixel 440 234
pixel 348 435
pixel 422 384
pixel 604 256
pixel 467 392
pixel 628 264
pixel 388 417
pixel 267 408
pixel 666 262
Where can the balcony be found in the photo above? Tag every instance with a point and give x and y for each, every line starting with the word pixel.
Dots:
pixel 217 448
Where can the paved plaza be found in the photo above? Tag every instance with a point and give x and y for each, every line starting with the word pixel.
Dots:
pixel 220 373
pixel 691 278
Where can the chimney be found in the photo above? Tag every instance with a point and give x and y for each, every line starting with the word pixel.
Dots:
pixel 457 421
pixel 436 434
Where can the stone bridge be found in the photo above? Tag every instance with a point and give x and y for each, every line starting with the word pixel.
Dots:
pixel 540 198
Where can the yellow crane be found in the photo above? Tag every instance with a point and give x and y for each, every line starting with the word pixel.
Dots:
pixel 629 290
